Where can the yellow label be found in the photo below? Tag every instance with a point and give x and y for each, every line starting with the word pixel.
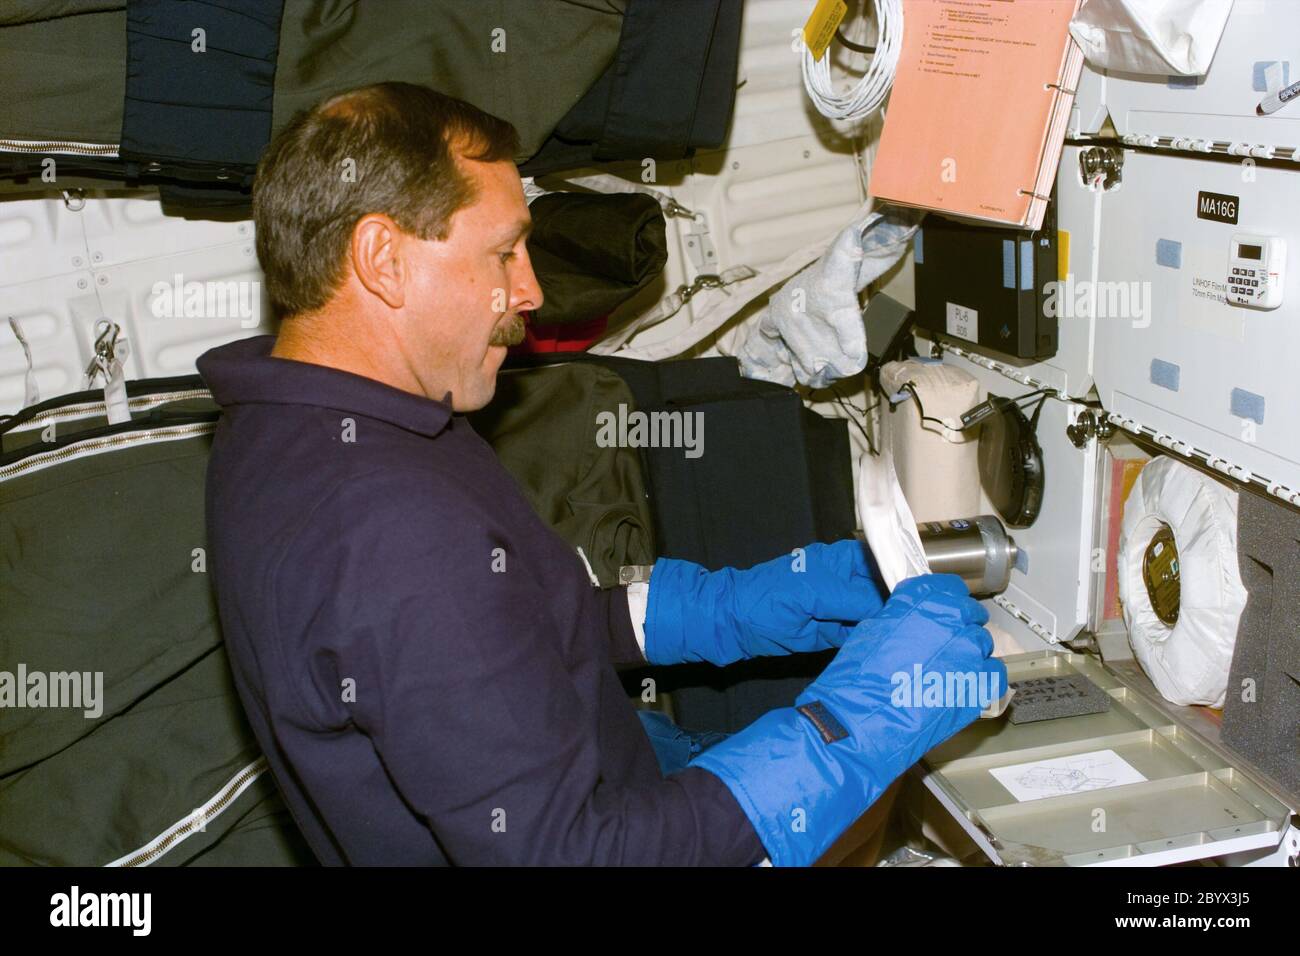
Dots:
pixel 1062 254
pixel 821 26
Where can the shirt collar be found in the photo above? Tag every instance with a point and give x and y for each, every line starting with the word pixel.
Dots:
pixel 245 373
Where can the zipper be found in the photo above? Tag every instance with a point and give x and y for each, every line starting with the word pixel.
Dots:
pixel 90 409
pixel 58 146
pixel 196 821
pixel 92 446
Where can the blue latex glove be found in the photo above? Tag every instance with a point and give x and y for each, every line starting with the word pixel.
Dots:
pixel 804 774
pixel 783 606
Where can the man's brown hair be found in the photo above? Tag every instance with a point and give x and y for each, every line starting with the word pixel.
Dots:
pixel 388 148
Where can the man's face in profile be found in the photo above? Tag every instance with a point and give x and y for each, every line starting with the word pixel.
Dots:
pixel 470 288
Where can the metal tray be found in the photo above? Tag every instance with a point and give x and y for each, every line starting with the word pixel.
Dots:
pixel 1194 803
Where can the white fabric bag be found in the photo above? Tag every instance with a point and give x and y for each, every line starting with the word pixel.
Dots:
pixel 1159 37
pixel 1188 662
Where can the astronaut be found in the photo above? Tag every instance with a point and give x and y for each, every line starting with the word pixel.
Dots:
pixel 420 701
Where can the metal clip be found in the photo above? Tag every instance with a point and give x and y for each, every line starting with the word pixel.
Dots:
pixel 705 280
pixel 634 573
pixel 672 207
pixel 673 303
pixel 105 349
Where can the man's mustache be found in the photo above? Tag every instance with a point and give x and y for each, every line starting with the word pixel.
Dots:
pixel 509 332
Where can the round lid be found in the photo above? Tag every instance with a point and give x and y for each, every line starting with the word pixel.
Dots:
pixel 1011 464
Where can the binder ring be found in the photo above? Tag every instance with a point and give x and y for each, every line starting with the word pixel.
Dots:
pixel 1057 86
pixel 1026 192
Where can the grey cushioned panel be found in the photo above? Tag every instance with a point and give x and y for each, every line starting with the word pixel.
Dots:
pixel 1267 656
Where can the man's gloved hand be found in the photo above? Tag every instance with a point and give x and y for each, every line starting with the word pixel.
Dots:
pixel 803 774
pixel 806 601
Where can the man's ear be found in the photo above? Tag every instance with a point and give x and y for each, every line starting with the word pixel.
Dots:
pixel 377 258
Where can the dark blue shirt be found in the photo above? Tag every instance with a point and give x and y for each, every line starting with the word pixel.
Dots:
pixel 424 662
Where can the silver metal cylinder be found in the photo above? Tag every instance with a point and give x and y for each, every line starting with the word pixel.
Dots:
pixel 978 550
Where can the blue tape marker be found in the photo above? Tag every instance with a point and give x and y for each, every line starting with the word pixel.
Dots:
pixel 1165 374
pixel 1248 405
pixel 1169 252
pixel 1026 264
pixel 1008 264
pixel 1259 75
pixel 918 247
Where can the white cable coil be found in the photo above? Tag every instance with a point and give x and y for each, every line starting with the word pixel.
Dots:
pixel 868 94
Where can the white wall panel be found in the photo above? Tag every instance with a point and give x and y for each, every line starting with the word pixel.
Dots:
pixel 1177 368
pixel 122 228
pixel 1088 111
pixel 168 344
pixel 63 266
pixel 1055 590
pixel 44 312
pixel 39 238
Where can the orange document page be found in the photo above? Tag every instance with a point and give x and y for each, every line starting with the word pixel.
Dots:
pixel 976 121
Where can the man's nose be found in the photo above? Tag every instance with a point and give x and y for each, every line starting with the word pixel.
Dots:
pixel 528 291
